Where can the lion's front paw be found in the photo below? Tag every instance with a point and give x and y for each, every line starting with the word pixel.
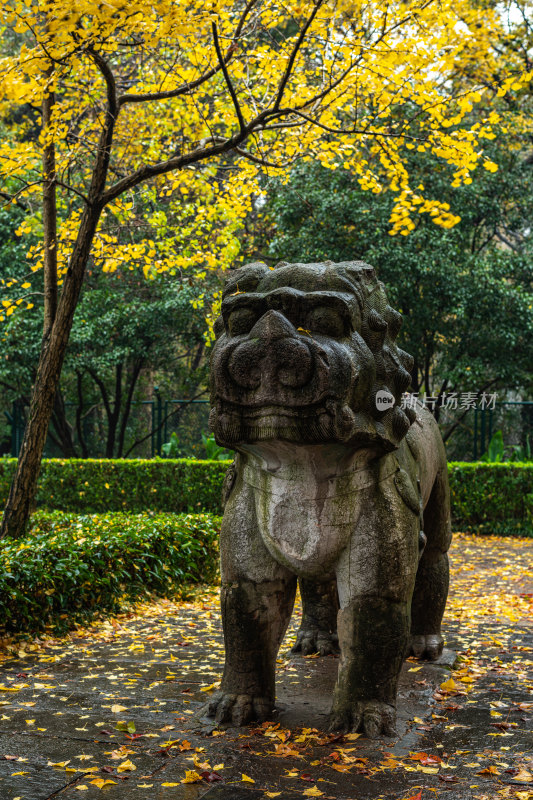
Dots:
pixel 371 717
pixel 428 646
pixel 313 640
pixel 237 708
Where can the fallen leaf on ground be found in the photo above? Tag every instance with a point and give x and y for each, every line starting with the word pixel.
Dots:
pixel 191 776
pixel 100 782
pixel 126 766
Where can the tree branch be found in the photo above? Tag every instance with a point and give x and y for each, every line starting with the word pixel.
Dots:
pixel 227 78
pixel 185 88
pixel 292 58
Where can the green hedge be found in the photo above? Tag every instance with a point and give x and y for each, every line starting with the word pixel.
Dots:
pixel 486 498
pixel 93 485
pixel 492 498
pixel 69 567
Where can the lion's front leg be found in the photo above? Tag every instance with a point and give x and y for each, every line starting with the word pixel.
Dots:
pixel 254 616
pixel 373 637
pixel 257 599
pixel 375 579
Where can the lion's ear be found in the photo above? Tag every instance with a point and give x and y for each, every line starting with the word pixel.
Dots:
pixel 246 278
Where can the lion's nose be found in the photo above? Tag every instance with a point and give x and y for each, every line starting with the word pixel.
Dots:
pixel 273 357
pixel 272 325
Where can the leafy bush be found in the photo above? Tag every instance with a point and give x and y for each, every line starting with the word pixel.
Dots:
pixel 93 485
pixel 486 498
pixel 492 497
pixel 70 567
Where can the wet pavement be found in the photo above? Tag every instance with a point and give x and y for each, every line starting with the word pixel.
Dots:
pixel 112 710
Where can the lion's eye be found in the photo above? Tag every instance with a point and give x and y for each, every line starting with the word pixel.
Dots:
pixel 327 321
pixel 241 321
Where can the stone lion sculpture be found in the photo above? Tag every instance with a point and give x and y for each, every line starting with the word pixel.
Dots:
pixel 333 482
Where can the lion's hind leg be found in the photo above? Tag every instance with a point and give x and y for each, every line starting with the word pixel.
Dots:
pixel 318 630
pixel 432 577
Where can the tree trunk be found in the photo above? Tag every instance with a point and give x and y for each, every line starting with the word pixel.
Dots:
pixel 79 416
pixel 49 214
pixel 136 371
pixel 53 350
pixel 114 416
pixel 62 427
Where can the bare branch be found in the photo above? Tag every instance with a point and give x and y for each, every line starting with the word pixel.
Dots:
pixel 103 151
pixel 178 162
pixel 257 160
pixel 292 58
pixel 186 88
pixel 109 78
pixel 231 89
pixel 70 188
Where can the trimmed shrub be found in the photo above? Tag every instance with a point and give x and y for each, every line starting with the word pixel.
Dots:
pixel 68 567
pixel 93 485
pixel 492 497
pixel 486 497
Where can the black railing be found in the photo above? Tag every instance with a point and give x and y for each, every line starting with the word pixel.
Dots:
pixel 152 422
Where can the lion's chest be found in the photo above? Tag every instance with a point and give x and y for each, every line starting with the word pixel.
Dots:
pixel 304 523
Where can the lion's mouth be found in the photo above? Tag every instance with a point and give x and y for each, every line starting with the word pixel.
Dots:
pixel 312 423
pixel 322 406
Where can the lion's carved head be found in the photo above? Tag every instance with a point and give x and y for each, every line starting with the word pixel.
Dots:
pixel 306 353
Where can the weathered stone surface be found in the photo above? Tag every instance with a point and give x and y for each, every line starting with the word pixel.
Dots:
pixel 331 483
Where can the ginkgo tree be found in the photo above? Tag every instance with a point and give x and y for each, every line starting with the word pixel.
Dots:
pixel 114 107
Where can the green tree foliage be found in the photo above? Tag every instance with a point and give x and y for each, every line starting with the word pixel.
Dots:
pixel 465 293
pixel 129 333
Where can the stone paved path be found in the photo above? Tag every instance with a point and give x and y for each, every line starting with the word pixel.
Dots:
pixel 116 703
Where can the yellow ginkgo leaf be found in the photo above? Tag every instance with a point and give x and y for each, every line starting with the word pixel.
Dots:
pixel 313 792
pixel 191 776
pixel 126 766
pixel 524 776
pixel 58 763
pixel 116 709
pixel 246 778
pixel 448 685
pixel 100 782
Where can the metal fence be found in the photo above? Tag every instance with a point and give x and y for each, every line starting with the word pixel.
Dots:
pixel 151 424
pixel 473 431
